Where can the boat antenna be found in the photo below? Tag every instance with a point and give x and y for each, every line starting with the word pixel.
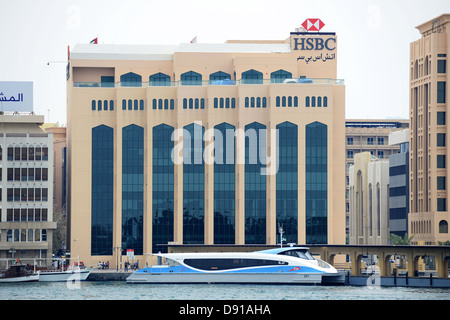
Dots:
pixel 281 231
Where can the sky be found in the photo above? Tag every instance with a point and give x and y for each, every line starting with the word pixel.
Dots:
pixel 374 38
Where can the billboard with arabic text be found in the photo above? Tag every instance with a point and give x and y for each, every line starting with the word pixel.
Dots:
pixel 16 96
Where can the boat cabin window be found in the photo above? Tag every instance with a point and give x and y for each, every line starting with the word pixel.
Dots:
pixel 298 253
pixel 171 263
pixel 231 263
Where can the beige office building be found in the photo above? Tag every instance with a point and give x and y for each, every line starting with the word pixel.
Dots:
pixel 26 189
pixel 369 200
pixel 205 143
pixel 429 145
pixel 369 135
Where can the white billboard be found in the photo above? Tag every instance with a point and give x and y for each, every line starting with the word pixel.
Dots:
pixel 16 96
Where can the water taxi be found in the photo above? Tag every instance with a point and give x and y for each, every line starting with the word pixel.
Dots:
pixel 289 265
pixel 18 273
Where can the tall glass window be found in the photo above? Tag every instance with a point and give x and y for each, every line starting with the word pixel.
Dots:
pixel 163 185
pixel 287 181
pixel 102 200
pixel 193 184
pixel 255 183
pixel 316 183
pixel 133 188
pixel 224 184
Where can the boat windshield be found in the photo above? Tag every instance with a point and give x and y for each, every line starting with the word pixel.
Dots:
pixel 298 253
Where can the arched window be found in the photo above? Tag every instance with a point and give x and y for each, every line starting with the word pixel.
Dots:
pixel 307 103
pixel 163 186
pixel 131 79
pixel 316 168
pixel 218 77
pixel 191 78
pixel 102 191
pixel 319 101
pixel 252 77
pixel 159 79
pixel 279 76
pixel 133 188
pixel 325 101
pixel 193 184
pixel 443 226
pixel 255 183
pixel 278 101
pixel 224 184
pixel 287 181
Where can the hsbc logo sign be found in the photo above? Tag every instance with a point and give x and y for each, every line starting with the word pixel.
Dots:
pixel 313 24
pixel 317 41
pixel 314 43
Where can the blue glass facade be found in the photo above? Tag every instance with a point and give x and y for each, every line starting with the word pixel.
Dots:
pixel 316 183
pixel 224 184
pixel 102 190
pixel 255 183
pixel 163 187
pixel 133 189
pixel 193 185
pixel 287 181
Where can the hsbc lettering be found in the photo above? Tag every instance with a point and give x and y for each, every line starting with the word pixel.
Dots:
pixel 314 44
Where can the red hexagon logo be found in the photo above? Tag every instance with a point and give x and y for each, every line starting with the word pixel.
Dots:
pixel 313 24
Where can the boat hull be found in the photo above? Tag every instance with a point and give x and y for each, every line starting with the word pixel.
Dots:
pixel 236 278
pixel 60 276
pixel 29 278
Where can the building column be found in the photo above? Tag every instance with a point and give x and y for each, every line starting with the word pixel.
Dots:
pixel 442 266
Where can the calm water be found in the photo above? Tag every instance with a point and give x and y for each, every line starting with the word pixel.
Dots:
pixel 118 290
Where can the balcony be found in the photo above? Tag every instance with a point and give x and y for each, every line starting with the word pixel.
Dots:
pixel 226 82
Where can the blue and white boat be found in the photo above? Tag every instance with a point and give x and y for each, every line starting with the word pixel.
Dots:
pixel 289 265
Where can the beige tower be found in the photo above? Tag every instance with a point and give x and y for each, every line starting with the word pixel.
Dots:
pixel 429 144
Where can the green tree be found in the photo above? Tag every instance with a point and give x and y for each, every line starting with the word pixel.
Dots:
pixel 397 240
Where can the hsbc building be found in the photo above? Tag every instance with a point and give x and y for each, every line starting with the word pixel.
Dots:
pixel 132 108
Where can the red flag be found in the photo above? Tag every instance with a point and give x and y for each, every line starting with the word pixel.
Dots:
pixel 94 41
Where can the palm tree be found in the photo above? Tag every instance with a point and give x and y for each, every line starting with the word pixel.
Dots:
pixel 397 240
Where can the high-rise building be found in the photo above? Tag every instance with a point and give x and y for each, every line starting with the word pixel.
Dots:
pixel 205 143
pixel 429 145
